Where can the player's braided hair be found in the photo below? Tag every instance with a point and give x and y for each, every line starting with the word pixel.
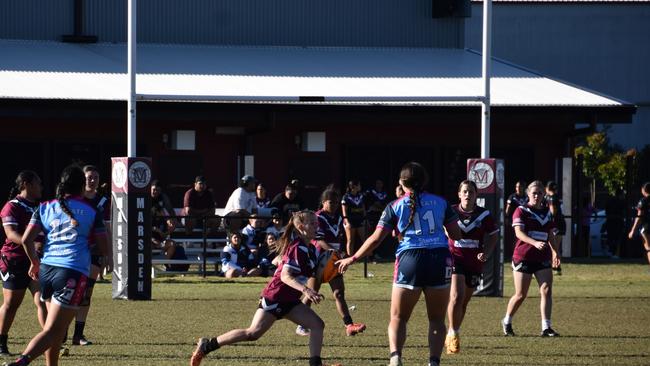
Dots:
pixel 414 177
pixel 299 217
pixel 72 181
pixel 24 177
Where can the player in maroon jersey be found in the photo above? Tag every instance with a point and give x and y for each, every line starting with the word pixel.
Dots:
pixel 281 296
pixel 536 250
pixel 328 237
pixel 16 213
pixel 479 236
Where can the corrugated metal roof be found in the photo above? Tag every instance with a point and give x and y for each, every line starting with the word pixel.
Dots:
pixel 568 1
pixel 51 70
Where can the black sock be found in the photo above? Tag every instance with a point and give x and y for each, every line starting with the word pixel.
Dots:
pixel 211 346
pixel 315 361
pixel 396 353
pixel 79 329
pixel 23 360
pixel 347 320
pixel 3 339
pixel 65 336
pixel 434 361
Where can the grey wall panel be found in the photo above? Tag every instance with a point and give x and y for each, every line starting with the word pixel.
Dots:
pixel 603 47
pixel 35 19
pixel 379 23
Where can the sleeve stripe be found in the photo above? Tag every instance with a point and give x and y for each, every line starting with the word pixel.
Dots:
pixel 10 223
pixel 295 269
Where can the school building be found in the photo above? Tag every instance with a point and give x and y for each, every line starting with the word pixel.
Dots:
pixel 320 91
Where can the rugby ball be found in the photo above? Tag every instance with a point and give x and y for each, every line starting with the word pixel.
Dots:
pixel 326 270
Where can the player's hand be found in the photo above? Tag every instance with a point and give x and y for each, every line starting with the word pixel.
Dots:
pixel 343 264
pixel 108 264
pixel 481 257
pixel 33 270
pixel 539 245
pixel 312 295
pixel 630 235
pixel 556 260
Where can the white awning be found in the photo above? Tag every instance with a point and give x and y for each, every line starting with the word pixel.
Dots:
pixel 53 70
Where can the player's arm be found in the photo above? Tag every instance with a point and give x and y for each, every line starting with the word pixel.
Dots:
pixel 12 234
pixel 490 243
pixel 367 248
pixel 637 221
pixel 521 235
pixel 344 212
pixel 288 278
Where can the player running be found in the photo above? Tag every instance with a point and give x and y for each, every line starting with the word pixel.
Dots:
pixel 643 219
pixel 70 224
pixel 281 296
pixel 479 237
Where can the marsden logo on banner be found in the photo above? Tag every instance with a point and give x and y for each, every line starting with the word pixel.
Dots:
pixel 482 174
pixel 139 174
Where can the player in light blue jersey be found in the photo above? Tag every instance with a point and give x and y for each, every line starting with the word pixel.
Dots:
pixel 423 222
pixel 71 227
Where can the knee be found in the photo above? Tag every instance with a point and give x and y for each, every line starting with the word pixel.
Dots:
pixel 319 325
pixel 545 290
pixel 519 297
pixel 253 334
pixel 454 298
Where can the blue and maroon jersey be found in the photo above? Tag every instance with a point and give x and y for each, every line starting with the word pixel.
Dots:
pixel 474 225
pixel 16 213
pixel 426 231
pixel 300 259
pixel 65 245
pixel 329 227
pixel 537 224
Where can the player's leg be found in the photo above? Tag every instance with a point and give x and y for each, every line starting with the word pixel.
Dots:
pixel 436 301
pixel 522 283
pixel 544 279
pixel 402 302
pixel 307 318
pixel 455 312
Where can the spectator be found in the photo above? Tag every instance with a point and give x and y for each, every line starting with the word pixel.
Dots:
pixel 275 227
pixel 553 201
pixel 587 210
pixel 262 199
pixel 267 252
pixel 642 219
pixel 236 259
pixel 243 198
pixel 614 224
pixel 199 203
pixel 354 216
pixel 162 212
pixel 288 202
pixel 254 233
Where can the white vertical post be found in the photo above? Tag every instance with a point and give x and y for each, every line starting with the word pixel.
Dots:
pixel 131 71
pixel 487 70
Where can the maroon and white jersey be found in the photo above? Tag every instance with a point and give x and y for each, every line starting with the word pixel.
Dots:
pixel 474 225
pixel 330 228
pixel 16 213
pixel 301 260
pixel 539 225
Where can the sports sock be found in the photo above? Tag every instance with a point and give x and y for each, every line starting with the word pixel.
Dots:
pixel 315 361
pixel 546 323
pixel 79 329
pixel 434 361
pixel 23 360
pixel 347 320
pixel 395 354
pixel 453 332
pixel 3 339
pixel 65 336
pixel 212 345
pixel 507 319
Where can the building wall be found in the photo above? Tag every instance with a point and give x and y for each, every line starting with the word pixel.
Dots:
pixel 358 23
pixel 601 46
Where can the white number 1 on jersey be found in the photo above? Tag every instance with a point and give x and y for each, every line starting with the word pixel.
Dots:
pixel 428 216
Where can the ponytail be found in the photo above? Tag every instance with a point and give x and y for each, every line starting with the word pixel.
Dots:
pixel 414 177
pixel 24 177
pixel 72 182
pixel 288 236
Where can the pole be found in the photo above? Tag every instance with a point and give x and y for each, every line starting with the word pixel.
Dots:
pixel 487 69
pixel 131 71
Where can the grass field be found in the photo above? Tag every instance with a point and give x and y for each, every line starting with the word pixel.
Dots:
pixel 602 311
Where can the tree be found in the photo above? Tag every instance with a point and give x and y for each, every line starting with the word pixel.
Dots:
pixel 604 162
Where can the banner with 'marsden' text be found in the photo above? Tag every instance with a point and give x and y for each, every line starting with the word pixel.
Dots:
pixel 131 228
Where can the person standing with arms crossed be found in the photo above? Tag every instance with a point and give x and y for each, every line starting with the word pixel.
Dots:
pixel 423 264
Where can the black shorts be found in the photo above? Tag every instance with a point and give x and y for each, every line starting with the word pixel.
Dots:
pixel 355 223
pixel 277 309
pixel 645 228
pixel 530 267
pixel 63 286
pixel 14 274
pixel 472 278
pixel 423 268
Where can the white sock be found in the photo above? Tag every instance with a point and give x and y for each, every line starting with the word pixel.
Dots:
pixel 453 332
pixel 546 323
pixel 507 319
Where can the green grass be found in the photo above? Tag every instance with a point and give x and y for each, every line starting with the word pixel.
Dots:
pixel 602 311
